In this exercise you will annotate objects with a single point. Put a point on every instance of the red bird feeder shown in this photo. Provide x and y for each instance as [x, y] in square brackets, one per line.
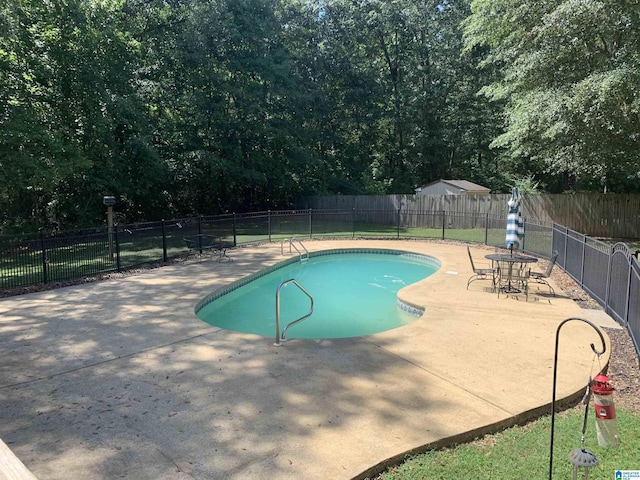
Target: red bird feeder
[606, 425]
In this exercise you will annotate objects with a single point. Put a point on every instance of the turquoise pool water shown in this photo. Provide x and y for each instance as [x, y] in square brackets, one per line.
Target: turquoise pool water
[354, 293]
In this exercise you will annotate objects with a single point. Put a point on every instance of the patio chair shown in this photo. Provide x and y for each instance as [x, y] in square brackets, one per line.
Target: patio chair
[485, 273]
[541, 277]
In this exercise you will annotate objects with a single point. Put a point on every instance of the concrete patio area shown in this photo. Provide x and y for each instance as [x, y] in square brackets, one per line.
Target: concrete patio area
[119, 379]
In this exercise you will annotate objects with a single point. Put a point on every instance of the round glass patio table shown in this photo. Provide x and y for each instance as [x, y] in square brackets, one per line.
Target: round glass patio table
[510, 260]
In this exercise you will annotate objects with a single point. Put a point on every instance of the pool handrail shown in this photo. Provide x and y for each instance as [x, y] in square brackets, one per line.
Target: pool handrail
[303, 256]
[282, 337]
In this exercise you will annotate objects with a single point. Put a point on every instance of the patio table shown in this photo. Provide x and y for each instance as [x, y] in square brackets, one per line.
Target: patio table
[505, 282]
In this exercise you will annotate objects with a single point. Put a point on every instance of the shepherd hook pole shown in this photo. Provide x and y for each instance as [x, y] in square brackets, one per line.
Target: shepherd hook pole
[555, 374]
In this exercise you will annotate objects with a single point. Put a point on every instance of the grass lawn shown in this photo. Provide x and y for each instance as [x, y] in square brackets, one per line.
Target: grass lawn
[523, 452]
[633, 244]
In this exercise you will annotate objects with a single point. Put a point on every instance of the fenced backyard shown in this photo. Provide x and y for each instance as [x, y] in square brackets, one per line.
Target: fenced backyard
[609, 273]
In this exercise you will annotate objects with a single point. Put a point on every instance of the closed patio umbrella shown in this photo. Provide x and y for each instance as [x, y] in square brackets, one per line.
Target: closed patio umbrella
[515, 225]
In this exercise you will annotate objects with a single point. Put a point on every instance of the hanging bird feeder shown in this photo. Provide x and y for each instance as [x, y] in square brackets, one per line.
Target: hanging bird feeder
[606, 424]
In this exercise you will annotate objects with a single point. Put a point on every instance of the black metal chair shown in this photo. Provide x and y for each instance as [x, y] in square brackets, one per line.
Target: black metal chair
[481, 273]
[541, 277]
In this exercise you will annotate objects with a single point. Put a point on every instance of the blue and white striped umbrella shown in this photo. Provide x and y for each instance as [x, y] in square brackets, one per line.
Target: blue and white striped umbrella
[515, 225]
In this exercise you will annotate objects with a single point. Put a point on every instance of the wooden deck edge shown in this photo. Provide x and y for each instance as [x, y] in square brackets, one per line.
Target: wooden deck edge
[11, 468]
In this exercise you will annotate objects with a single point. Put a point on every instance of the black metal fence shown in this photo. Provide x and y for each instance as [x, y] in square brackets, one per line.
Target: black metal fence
[610, 274]
[32, 259]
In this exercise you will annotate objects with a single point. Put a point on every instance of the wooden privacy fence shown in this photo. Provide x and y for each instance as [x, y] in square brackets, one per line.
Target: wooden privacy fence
[594, 214]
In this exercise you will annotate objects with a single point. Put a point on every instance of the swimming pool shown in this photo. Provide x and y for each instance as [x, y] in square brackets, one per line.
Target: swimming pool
[354, 291]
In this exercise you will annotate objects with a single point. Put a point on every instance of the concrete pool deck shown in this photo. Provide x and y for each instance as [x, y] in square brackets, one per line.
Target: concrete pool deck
[119, 379]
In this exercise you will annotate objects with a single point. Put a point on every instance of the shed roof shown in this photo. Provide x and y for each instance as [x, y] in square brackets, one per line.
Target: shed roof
[460, 184]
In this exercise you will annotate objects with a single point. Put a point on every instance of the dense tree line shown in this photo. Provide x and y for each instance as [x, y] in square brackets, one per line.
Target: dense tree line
[180, 107]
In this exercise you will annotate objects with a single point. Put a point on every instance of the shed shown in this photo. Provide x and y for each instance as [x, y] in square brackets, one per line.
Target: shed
[452, 187]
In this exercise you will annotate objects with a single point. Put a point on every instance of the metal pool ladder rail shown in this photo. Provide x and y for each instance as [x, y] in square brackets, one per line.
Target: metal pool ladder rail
[284, 331]
[304, 255]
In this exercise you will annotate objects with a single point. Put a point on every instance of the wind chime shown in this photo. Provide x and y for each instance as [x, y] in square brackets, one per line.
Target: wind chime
[581, 457]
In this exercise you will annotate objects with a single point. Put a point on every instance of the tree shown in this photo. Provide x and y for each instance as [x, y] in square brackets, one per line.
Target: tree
[73, 126]
[225, 96]
[570, 71]
[33, 156]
